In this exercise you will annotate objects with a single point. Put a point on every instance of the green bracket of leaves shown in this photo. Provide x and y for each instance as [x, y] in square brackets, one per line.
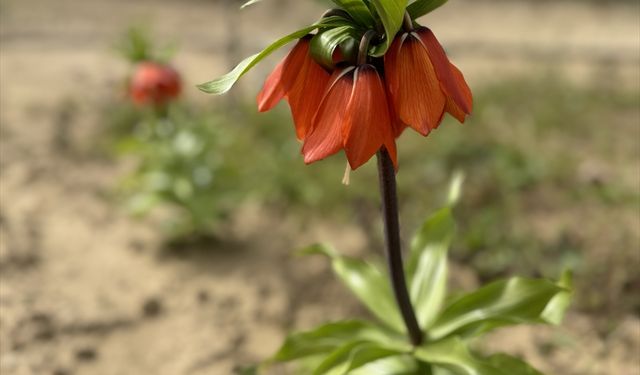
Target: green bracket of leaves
[391, 13]
[358, 10]
[325, 43]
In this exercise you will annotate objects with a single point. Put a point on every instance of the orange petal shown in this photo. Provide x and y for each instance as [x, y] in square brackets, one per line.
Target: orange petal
[396, 124]
[368, 125]
[306, 95]
[283, 77]
[452, 106]
[325, 136]
[443, 69]
[413, 84]
[272, 91]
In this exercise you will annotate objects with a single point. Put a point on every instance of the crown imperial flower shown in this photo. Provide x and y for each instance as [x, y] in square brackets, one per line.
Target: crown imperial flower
[361, 102]
[154, 83]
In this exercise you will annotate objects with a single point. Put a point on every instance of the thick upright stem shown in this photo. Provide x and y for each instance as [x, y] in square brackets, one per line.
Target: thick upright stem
[387, 175]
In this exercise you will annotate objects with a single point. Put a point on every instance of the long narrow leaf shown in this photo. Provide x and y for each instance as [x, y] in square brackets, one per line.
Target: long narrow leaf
[358, 10]
[326, 338]
[427, 265]
[421, 7]
[513, 301]
[352, 356]
[248, 3]
[554, 312]
[367, 282]
[224, 83]
[453, 355]
[391, 13]
[396, 365]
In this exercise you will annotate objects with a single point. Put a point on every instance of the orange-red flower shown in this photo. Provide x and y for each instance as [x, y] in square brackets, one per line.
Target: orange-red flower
[154, 83]
[353, 115]
[300, 80]
[423, 84]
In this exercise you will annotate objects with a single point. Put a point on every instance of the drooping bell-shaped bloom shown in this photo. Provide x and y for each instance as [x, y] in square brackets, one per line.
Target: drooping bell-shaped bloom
[423, 84]
[299, 80]
[154, 83]
[353, 115]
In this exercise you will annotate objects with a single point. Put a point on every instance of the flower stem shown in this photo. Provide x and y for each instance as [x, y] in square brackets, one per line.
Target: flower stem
[387, 176]
[363, 49]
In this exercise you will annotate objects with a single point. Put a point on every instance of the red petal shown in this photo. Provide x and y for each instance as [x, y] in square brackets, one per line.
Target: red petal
[283, 77]
[451, 106]
[368, 125]
[272, 91]
[414, 87]
[442, 68]
[325, 137]
[306, 95]
[396, 124]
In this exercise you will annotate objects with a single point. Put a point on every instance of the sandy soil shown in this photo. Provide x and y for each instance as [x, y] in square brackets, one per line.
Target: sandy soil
[86, 290]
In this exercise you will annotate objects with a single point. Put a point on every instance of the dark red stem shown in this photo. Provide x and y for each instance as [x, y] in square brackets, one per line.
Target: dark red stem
[387, 175]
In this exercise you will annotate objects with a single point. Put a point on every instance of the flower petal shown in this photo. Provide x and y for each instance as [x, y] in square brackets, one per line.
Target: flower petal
[272, 91]
[306, 95]
[325, 136]
[368, 123]
[283, 77]
[413, 84]
[446, 76]
[452, 106]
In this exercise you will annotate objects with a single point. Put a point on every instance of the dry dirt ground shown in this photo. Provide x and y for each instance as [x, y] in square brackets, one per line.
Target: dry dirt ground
[87, 290]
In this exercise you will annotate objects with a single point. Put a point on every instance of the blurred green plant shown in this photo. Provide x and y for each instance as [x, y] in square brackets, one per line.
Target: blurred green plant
[450, 323]
[137, 45]
[180, 165]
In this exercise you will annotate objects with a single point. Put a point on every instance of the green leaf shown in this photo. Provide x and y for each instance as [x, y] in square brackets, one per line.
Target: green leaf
[248, 3]
[367, 282]
[326, 338]
[324, 43]
[391, 13]
[352, 356]
[507, 302]
[336, 361]
[358, 10]
[427, 265]
[421, 7]
[555, 310]
[395, 365]
[453, 355]
[224, 83]
[455, 188]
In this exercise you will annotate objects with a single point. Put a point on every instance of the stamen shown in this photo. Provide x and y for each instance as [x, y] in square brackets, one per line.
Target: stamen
[347, 174]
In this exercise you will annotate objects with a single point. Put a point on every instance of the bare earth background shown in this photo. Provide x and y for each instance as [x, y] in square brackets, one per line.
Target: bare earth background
[86, 290]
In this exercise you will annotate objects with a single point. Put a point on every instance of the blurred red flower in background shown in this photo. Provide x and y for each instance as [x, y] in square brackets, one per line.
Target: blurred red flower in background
[154, 83]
